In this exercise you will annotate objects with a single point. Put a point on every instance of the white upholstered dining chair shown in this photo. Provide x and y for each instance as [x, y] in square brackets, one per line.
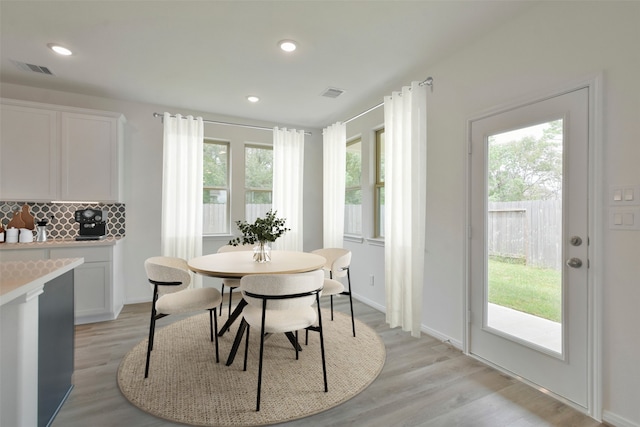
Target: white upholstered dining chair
[282, 303]
[170, 279]
[338, 266]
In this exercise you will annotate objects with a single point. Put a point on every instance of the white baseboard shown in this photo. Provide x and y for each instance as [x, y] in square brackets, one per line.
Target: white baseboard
[617, 420]
[370, 303]
[137, 300]
[444, 338]
[431, 332]
[94, 318]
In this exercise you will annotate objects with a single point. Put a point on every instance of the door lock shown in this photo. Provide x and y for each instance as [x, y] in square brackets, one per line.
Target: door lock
[575, 241]
[574, 263]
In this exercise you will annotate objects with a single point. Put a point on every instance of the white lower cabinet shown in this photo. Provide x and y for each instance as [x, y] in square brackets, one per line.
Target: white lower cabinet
[95, 293]
[92, 292]
[98, 289]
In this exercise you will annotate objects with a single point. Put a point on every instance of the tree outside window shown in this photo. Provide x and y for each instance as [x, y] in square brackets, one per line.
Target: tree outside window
[527, 167]
[258, 181]
[215, 193]
[353, 189]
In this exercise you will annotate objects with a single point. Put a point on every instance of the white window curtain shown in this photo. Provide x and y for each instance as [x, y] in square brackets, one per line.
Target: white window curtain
[288, 169]
[334, 159]
[405, 205]
[182, 188]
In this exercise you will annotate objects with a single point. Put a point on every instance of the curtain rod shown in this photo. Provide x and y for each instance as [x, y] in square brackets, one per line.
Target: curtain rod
[426, 82]
[230, 124]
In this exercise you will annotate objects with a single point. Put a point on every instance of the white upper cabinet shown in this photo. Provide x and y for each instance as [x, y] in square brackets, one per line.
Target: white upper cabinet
[49, 152]
[89, 157]
[29, 153]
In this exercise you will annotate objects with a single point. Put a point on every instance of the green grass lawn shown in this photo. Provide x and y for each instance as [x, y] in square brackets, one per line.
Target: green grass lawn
[531, 290]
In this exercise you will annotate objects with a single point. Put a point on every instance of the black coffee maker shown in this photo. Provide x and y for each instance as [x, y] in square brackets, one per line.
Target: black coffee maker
[93, 224]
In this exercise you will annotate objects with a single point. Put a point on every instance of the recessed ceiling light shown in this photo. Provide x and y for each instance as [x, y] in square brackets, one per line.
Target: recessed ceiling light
[60, 50]
[253, 98]
[287, 45]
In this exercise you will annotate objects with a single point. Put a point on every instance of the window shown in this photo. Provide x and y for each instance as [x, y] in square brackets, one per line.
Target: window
[379, 185]
[353, 190]
[215, 193]
[258, 180]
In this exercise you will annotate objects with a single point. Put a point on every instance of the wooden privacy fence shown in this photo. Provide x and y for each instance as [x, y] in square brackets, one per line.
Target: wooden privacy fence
[353, 219]
[530, 231]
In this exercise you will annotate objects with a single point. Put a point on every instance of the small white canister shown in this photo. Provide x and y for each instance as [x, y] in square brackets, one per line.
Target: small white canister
[26, 235]
[12, 235]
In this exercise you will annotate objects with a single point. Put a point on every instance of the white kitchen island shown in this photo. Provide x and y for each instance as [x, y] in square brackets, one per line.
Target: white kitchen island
[99, 283]
[36, 339]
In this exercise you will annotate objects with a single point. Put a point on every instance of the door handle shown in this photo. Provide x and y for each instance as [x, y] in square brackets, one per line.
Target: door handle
[574, 263]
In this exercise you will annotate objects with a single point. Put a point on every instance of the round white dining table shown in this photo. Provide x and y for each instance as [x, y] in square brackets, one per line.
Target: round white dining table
[237, 264]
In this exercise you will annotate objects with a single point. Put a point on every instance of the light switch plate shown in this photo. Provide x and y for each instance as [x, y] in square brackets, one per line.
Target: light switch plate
[624, 195]
[629, 194]
[624, 218]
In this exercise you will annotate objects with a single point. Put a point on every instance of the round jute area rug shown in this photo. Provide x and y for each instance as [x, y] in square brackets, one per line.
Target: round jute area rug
[185, 384]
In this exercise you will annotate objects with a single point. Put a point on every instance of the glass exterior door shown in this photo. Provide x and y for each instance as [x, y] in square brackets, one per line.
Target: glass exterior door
[528, 243]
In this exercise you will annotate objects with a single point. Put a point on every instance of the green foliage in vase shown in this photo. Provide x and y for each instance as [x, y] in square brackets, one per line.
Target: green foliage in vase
[266, 229]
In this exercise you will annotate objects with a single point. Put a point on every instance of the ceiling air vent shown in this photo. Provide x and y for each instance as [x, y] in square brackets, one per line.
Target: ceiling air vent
[40, 69]
[332, 92]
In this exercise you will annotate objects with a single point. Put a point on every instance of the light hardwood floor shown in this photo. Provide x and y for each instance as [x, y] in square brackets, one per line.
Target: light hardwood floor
[424, 383]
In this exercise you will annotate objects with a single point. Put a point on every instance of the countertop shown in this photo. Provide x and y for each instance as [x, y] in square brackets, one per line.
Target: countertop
[60, 243]
[18, 278]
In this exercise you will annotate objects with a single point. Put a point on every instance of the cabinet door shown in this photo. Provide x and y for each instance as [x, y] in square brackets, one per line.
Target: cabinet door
[94, 294]
[92, 290]
[29, 155]
[89, 153]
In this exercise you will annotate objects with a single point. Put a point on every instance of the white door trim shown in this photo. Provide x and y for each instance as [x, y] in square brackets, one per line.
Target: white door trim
[595, 224]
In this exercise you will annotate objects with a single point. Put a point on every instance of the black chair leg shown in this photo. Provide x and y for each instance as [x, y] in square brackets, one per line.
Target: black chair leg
[152, 328]
[230, 298]
[150, 345]
[324, 364]
[211, 323]
[246, 347]
[353, 322]
[331, 297]
[213, 326]
[320, 331]
[264, 310]
[222, 295]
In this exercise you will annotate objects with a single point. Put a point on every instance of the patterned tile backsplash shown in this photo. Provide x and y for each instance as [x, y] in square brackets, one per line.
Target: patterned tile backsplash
[62, 224]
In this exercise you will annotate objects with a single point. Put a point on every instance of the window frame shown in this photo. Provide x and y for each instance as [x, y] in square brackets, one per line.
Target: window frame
[227, 188]
[378, 231]
[355, 140]
[247, 189]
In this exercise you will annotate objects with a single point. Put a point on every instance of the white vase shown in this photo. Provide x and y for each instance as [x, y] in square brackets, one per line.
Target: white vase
[262, 252]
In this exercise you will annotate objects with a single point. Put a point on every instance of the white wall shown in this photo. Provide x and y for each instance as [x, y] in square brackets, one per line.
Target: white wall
[143, 175]
[553, 45]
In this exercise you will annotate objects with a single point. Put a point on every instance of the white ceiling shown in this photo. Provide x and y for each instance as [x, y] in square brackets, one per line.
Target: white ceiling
[209, 55]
